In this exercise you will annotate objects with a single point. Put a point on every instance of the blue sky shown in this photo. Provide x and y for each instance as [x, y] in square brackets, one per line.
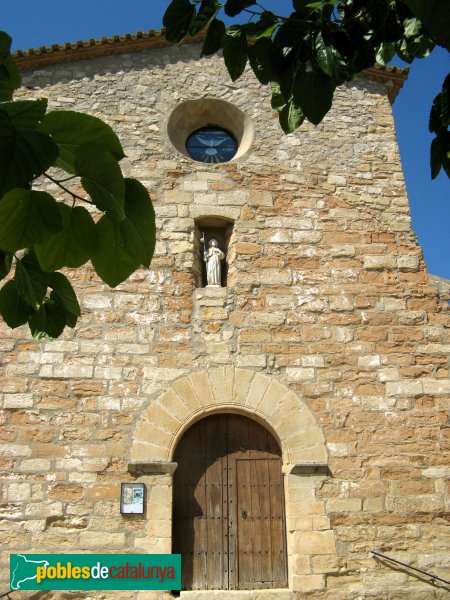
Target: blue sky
[34, 23]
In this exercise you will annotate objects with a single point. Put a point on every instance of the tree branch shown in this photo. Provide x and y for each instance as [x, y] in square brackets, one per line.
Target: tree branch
[73, 194]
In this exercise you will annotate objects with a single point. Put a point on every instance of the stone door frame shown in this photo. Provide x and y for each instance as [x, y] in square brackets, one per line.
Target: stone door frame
[280, 410]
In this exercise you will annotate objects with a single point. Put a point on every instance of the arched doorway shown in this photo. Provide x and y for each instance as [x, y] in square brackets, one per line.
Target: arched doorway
[228, 506]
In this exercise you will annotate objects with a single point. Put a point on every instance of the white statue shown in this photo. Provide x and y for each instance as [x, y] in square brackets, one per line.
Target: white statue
[212, 257]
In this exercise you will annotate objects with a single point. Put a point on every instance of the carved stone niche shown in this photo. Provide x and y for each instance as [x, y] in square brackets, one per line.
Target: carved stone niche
[217, 228]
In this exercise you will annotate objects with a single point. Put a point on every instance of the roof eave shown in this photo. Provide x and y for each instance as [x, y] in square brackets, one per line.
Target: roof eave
[35, 58]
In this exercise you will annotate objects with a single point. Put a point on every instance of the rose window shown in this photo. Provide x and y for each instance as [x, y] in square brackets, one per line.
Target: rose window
[211, 145]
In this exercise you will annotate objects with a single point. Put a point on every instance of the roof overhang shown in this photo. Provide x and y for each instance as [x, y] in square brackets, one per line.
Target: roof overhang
[34, 58]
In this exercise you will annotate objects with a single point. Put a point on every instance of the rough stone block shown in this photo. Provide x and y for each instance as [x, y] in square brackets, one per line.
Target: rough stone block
[99, 540]
[344, 505]
[308, 583]
[18, 400]
[299, 373]
[251, 360]
[379, 262]
[316, 542]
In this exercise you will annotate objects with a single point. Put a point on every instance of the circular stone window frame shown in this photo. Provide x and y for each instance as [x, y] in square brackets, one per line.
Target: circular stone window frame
[191, 115]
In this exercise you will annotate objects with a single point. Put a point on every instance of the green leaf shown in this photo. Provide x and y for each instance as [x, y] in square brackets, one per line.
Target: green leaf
[141, 214]
[440, 110]
[38, 278]
[446, 164]
[435, 17]
[27, 217]
[321, 4]
[291, 117]
[177, 20]
[412, 27]
[439, 155]
[260, 56]
[435, 158]
[329, 59]
[71, 320]
[37, 323]
[70, 130]
[63, 293]
[25, 113]
[208, 10]
[313, 93]
[9, 73]
[5, 263]
[13, 309]
[213, 40]
[385, 53]
[48, 322]
[24, 286]
[278, 100]
[234, 45]
[421, 46]
[73, 245]
[5, 44]
[112, 260]
[291, 35]
[102, 179]
[132, 241]
[263, 28]
[286, 78]
[24, 154]
[234, 7]
[445, 102]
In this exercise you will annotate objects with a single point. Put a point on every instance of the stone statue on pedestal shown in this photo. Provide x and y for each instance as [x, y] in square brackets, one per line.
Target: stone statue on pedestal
[212, 257]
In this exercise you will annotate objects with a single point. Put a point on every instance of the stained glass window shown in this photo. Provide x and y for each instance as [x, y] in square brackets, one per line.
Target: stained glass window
[211, 145]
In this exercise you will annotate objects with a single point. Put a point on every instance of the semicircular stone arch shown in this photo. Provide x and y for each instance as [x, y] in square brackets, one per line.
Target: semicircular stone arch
[228, 389]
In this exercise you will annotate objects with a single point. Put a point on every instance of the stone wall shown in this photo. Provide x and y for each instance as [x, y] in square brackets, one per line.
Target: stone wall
[328, 298]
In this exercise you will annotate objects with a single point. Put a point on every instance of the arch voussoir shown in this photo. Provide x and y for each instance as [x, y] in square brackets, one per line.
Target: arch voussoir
[242, 381]
[202, 386]
[257, 389]
[221, 381]
[172, 402]
[229, 389]
[274, 394]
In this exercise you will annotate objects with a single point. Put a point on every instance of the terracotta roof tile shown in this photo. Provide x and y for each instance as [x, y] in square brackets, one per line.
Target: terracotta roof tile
[393, 77]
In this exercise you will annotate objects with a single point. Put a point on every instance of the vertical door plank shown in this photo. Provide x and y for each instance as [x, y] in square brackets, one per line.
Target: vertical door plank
[244, 529]
[277, 522]
[214, 479]
[235, 438]
[198, 505]
[262, 500]
[184, 512]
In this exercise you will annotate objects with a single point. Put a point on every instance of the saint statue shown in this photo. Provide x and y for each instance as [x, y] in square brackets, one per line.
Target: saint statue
[212, 257]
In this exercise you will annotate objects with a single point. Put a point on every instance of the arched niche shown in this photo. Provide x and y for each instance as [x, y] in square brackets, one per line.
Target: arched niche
[207, 228]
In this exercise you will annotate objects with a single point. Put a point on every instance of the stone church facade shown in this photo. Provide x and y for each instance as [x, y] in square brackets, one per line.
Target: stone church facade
[327, 334]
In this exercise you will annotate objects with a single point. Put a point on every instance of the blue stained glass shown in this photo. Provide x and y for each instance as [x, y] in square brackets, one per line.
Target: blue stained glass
[211, 145]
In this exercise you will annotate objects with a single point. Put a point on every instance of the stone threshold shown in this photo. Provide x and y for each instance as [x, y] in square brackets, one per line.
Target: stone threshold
[272, 594]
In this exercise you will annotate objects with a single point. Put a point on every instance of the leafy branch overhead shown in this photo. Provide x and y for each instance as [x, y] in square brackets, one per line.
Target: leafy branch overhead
[319, 46]
[38, 233]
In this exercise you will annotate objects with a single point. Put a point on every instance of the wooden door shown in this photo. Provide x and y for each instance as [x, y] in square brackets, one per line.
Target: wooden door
[200, 525]
[228, 509]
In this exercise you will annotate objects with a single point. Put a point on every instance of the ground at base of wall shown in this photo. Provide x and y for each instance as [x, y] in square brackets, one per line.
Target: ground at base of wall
[424, 593]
